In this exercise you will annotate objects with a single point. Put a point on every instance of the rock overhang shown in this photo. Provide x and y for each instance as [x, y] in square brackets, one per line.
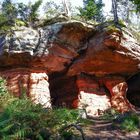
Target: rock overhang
[72, 48]
[59, 41]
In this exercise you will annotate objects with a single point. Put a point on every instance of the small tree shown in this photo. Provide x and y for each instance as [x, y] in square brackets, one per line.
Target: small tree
[28, 13]
[92, 10]
[23, 11]
[34, 9]
[100, 16]
[52, 9]
[9, 11]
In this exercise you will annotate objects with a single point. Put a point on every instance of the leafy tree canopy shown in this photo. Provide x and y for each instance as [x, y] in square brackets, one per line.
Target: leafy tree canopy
[137, 3]
[34, 9]
[12, 12]
[9, 9]
[52, 9]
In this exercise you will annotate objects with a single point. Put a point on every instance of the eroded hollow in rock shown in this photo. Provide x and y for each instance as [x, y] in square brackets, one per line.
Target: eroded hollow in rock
[133, 92]
[82, 91]
[63, 91]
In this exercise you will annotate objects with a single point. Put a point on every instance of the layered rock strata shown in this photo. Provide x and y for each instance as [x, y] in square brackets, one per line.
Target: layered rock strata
[86, 66]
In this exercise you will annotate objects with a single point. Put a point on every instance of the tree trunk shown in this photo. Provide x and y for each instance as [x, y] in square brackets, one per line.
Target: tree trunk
[114, 9]
[66, 8]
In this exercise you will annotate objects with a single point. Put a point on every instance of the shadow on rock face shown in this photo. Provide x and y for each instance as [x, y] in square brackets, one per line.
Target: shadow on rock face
[133, 92]
[63, 91]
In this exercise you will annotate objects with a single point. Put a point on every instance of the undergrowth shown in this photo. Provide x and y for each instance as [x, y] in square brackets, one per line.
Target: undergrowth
[128, 121]
[131, 123]
[20, 119]
[110, 114]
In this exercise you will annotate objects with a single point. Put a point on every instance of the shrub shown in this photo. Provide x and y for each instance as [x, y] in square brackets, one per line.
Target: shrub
[21, 119]
[110, 114]
[20, 22]
[131, 122]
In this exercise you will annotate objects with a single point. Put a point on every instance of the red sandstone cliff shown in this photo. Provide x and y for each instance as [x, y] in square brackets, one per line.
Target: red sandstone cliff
[71, 64]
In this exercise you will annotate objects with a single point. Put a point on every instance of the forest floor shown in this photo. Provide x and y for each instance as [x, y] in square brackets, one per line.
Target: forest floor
[102, 129]
[105, 130]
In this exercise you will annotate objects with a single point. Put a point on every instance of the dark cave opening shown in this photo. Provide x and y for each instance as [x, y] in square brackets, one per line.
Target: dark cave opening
[63, 91]
[133, 92]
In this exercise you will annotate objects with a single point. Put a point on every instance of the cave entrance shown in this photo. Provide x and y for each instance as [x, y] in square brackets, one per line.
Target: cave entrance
[133, 92]
[63, 91]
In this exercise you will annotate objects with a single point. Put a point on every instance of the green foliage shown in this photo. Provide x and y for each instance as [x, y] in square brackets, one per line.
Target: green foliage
[112, 27]
[122, 23]
[34, 8]
[3, 89]
[110, 114]
[9, 10]
[20, 22]
[21, 119]
[137, 3]
[99, 16]
[131, 123]
[52, 9]
[3, 93]
[92, 10]
[28, 13]
[18, 14]
[23, 11]
[128, 121]
[89, 11]
[8, 15]
[3, 19]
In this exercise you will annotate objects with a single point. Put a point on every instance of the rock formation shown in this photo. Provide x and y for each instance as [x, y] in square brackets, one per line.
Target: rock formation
[71, 64]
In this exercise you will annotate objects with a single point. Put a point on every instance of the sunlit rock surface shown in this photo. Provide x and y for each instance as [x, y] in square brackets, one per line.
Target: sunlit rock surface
[118, 89]
[52, 47]
[92, 96]
[34, 84]
[48, 64]
[109, 52]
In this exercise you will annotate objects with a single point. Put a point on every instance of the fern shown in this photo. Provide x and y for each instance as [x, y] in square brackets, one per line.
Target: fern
[21, 119]
[131, 123]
